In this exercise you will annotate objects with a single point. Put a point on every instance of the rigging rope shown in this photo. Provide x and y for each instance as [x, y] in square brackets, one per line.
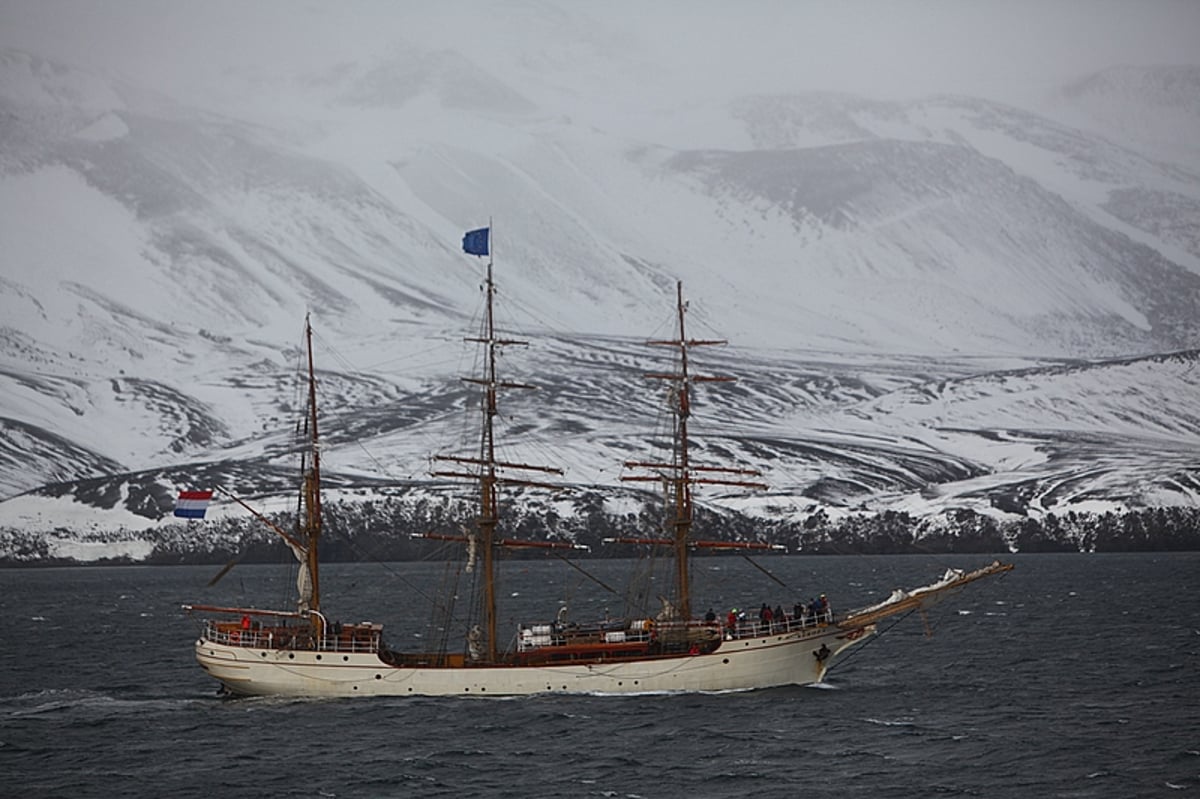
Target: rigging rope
[586, 574]
[765, 571]
[872, 638]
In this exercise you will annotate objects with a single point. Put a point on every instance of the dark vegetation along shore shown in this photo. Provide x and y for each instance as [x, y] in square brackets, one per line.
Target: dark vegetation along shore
[384, 529]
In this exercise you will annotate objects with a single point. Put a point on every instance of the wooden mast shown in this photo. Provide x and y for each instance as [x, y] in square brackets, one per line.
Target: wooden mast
[488, 474]
[488, 507]
[312, 480]
[680, 474]
[682, 488]
[305, 543]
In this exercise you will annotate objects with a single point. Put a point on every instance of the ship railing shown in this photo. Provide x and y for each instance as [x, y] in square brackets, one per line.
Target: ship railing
[537, 636]
[350, 640]
[231, 635]
[755, 628]
[354, 642]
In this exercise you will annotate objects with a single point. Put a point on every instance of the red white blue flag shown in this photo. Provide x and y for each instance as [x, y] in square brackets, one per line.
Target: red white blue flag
[192, 504]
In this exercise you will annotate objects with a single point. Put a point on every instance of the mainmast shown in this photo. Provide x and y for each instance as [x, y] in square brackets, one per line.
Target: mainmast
[679, 475]
[489, 474]
[489, 512]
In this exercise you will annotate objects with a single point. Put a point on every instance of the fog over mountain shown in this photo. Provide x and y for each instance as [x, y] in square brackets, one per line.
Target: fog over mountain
[955, 249]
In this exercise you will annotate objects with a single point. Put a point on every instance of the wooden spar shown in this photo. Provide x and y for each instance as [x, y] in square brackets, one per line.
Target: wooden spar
[680, 475]
[666, 542]
[507, 464]
[724, 469]
[512, 543]
[499, 480]
[654, 542]
[499, 464]
[312, 481]
[645, 478]
[920, 598]
[291, 541]
[696, 379]
[502, 383]
[666, 467]
[283, 614]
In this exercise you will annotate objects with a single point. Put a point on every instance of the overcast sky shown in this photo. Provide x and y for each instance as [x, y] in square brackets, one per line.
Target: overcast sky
[1012, 51]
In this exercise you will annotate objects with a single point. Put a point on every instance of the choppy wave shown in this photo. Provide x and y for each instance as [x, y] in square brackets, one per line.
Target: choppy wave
[890, 723]
[67, 700]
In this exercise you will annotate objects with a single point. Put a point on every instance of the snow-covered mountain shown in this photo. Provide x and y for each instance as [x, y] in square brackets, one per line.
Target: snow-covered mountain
[935, 303]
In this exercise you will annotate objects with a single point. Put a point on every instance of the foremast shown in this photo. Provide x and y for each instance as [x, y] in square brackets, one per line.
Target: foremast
[680, 474]
[310, 518]
[304, 539]
[487, 472]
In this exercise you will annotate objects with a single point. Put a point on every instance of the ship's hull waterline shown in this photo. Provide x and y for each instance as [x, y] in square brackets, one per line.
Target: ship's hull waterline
[793, 658]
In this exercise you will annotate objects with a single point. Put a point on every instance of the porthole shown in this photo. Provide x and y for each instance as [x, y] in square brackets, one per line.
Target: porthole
[318, 657]
[291, 656]
[379, 676]
[726, 660]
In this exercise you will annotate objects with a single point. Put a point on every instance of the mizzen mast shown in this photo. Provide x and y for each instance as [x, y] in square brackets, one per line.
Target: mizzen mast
[680, 474]
[312, 482]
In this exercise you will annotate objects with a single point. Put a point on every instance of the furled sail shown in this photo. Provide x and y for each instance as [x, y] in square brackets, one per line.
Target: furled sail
[304, 582]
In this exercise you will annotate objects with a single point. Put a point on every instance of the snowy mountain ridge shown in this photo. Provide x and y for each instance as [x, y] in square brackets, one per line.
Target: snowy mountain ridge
[933, 303]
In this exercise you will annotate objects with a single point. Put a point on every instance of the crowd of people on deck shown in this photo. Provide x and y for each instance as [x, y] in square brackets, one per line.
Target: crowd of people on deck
[772, 620]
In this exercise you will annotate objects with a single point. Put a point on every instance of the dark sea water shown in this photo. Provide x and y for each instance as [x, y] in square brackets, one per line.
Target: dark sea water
[1072, 676]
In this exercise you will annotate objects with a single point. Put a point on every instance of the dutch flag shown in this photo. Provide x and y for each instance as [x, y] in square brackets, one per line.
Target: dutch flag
[192, 504]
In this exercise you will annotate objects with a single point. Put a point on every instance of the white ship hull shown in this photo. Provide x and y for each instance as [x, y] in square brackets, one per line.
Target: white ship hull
[792, 658]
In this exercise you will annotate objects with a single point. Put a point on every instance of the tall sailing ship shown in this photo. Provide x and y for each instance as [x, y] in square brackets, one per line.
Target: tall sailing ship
[298, 652]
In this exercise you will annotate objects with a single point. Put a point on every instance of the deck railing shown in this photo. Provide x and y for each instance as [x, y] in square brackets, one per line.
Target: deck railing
[754, 628]
[290, 638]
[538, 636]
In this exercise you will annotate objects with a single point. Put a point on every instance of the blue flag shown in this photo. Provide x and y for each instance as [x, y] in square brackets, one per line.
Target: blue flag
[475, 242]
